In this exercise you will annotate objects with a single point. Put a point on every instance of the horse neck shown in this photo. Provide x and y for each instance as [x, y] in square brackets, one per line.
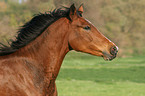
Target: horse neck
[50, 48]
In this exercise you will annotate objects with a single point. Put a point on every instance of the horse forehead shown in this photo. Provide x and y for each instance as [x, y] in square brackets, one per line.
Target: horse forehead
[88, 21]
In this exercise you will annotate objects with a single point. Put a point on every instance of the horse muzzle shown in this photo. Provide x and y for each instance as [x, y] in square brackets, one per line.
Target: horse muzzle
[113, 53]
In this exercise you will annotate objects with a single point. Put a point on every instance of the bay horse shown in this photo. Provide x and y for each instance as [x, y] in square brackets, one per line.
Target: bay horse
[30, 65]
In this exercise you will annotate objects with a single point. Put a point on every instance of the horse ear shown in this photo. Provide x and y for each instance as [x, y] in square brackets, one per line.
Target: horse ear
[73, 12]
[81, 9]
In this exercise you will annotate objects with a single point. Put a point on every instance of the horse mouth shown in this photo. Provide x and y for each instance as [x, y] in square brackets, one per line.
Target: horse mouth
[108, 57]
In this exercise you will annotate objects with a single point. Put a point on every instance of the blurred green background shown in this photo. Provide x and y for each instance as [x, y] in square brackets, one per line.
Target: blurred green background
[122, 21]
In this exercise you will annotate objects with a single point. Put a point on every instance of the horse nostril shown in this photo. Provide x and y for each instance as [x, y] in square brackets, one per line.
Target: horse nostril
[114, 50]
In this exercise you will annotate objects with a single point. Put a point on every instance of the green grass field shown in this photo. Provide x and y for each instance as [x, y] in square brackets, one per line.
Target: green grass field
[85, 75]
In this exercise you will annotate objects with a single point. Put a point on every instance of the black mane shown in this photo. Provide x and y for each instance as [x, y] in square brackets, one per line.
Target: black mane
[33, 29]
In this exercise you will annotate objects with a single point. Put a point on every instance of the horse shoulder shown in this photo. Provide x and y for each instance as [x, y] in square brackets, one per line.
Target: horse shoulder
[16, 77]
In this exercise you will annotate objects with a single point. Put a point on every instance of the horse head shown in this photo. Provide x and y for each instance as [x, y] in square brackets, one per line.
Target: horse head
[85, 37]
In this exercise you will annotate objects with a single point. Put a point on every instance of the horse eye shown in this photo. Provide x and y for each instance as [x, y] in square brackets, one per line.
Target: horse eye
[87, 28]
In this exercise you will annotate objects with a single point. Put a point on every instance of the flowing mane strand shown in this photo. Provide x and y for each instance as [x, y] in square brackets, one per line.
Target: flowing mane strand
[32, 29]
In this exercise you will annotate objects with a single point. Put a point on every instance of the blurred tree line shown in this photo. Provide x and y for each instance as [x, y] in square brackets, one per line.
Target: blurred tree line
[122, 21]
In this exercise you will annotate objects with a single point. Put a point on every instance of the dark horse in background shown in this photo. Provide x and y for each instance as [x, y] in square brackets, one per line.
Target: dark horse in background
[29, 67]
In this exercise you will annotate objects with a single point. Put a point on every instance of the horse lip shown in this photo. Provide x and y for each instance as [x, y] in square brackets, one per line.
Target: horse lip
[108, 57]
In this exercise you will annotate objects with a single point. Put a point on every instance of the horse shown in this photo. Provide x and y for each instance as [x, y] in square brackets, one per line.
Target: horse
[30, 65]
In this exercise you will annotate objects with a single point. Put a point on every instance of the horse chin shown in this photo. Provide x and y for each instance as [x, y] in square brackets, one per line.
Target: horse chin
[107, 58]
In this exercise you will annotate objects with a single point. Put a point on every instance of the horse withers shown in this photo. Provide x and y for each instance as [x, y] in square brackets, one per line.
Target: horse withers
[30, 65]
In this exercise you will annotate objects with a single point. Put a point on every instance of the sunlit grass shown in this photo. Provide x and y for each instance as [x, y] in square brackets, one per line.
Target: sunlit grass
[89, 88]
[85, 75]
